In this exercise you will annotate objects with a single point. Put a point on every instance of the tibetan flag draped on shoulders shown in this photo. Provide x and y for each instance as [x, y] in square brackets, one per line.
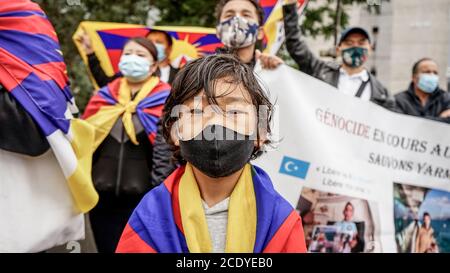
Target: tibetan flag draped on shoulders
[32, 69]
[109, 38]
[114, 101]
[170, 218]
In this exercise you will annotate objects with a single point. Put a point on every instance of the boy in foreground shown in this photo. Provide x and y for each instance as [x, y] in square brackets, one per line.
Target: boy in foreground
[217, 118]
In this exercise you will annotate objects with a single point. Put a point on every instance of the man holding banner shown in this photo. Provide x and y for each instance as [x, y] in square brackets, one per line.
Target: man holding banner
[350, 77]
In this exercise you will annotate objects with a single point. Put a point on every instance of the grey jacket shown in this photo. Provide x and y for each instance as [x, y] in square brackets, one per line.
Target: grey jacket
[325, 71]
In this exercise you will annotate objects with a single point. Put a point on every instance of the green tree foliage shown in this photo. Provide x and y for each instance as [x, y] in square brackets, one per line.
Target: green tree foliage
[186, 12]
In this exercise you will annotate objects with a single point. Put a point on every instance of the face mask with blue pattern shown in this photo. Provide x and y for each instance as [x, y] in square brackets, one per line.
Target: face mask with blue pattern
[238, 32]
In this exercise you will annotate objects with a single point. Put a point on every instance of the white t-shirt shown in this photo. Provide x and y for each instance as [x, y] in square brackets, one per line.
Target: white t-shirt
[165, 73]
[217, 219]
[349, 85]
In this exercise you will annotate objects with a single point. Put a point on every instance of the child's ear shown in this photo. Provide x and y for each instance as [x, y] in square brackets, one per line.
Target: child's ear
[259, 143]
[175, 136]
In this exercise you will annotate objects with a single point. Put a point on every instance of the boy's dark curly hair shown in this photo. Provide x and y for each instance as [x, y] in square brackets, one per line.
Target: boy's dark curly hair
[202, 74]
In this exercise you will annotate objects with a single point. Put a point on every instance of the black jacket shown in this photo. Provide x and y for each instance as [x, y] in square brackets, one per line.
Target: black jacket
[408, 103]
[325, 71]
[162, 164]
[19, 133]
[119, 167]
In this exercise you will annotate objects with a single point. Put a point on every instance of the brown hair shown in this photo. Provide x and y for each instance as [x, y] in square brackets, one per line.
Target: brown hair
[147, 44]
[166, 35]
[259, 10]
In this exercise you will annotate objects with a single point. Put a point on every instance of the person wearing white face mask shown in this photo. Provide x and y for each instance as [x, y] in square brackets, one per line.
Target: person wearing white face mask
[125, 114]
[424, 98]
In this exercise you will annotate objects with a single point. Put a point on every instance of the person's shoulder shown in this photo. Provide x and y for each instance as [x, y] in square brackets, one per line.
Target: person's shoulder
[444, 94]
[401, 94]
[376, 83]
[266, 185]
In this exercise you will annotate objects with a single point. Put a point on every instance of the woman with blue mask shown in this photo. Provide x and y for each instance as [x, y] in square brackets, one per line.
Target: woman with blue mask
[125, 114]
[424, 98]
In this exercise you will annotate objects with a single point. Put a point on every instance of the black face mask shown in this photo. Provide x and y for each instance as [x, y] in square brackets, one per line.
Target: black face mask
[214, 155]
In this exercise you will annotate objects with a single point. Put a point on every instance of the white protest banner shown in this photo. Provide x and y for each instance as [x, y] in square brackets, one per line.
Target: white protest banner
[363, 178]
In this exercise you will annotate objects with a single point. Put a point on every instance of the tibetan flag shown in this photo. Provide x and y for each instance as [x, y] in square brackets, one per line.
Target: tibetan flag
[273, 25]
[189, 42]
[108, 40]
[113, 101]
[32, 69]
[170, 218]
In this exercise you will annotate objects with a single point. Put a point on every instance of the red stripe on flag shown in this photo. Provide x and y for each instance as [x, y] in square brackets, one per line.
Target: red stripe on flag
[176, 207]
[33, 24]
[289, 236]
[52, 71]
[12, 70]
[128, 32]
[267, 3]
[209, 48]
[130, 242]
[114, 57]
[155, 111]
[19, 5]
[192, 38]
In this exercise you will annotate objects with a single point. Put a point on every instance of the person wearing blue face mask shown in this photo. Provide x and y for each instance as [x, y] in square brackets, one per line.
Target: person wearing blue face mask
[350, 77]
[124, 114]
[162, 154]
[424, 98]
[161, 39]
[163, 42]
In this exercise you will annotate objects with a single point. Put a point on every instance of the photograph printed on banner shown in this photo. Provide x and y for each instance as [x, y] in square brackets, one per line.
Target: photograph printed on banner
[335, 223]
[422, 219]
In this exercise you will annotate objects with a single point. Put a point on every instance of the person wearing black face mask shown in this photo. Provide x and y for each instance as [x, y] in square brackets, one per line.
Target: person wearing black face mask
[217, 118]
[350, 77]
